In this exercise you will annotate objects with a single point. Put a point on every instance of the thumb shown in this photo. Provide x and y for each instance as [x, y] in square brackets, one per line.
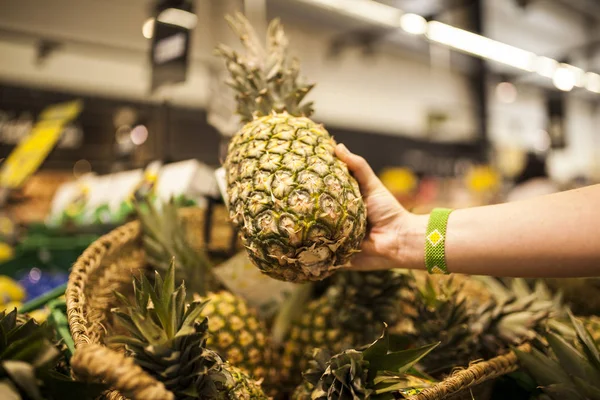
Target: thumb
[362, 171]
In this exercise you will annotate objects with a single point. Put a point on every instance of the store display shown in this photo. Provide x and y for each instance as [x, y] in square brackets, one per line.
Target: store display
[299, 210]
[107, 199]
[172, 248]
[359, 303]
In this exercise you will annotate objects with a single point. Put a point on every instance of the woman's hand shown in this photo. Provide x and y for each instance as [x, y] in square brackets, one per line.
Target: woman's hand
[395, 236]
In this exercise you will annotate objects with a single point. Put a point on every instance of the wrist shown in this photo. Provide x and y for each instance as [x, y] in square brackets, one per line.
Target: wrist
[410, 252]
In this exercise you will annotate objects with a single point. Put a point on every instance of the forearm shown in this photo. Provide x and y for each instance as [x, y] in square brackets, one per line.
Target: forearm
[553, 236]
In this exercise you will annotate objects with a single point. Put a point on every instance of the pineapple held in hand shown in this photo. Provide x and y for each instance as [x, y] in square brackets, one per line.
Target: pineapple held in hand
[299, 211]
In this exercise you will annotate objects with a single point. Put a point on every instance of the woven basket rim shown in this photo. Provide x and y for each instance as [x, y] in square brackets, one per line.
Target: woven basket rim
[474, 375]
[104, 246]
[95, 363]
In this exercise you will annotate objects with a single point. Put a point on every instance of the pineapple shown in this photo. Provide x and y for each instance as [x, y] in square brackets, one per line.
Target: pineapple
[566, 370]
[347, 315]
[470, 331]
[299, 211]
[442, 314]
[168, 339]
[374, 372]
[236, 332]
[514, 316]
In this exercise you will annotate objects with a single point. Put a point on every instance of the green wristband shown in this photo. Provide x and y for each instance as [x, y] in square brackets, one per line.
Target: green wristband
[435, 241]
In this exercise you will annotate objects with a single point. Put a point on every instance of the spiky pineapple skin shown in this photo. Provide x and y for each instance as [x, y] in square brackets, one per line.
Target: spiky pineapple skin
[350, 313]
[315, 329]
[244, 388]
[298, 209]
[237, 334]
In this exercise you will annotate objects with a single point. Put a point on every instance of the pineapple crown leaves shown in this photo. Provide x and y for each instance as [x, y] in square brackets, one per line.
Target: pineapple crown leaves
[25, 341]
[266, 80]
[168, 340]
[158, 313]
[443, 294]
[28, 360]
[441, 311]
[568, 370]
[374, 373]
[164, 237]
[514, 315]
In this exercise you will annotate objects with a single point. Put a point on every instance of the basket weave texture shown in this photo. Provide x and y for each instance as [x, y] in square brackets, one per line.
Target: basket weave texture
[107, 265]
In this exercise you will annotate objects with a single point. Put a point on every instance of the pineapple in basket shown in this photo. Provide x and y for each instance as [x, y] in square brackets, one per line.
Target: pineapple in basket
[298, 209]
[373, 372]
[349, 314]
[168, 339]
[236, 333]
[470, 331]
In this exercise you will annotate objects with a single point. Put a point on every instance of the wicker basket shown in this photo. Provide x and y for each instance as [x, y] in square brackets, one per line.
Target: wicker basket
[107, 265]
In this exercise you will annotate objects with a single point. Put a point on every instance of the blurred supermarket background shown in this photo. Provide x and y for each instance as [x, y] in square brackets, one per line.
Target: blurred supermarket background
[453, 102]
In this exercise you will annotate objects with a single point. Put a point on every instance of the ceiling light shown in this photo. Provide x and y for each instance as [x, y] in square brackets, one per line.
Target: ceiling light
[481, 46]
[506, 92]
[177, 17]
[413, 24]
[148, 28]
[578, 74]
[592, 82]
[363, 9]
[546, 66]
[563, 78]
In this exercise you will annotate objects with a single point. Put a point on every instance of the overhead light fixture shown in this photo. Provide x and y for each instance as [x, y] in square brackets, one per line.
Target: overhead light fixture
[546, 66]
[368, 10]
[481, 46]
[592, 82]
[563, 75]
[564, 79]
[578, 74]
[413, 24]
[177, 17]
[148, 28]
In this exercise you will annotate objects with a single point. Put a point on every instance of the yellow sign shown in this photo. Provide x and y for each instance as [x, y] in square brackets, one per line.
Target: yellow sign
[27, 157]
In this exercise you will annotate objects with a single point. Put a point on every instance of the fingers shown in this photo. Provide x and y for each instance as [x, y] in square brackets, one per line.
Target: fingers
[359, 167]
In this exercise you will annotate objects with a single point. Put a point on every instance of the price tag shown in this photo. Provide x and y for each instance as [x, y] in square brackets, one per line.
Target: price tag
[263, 293]
[27, 157]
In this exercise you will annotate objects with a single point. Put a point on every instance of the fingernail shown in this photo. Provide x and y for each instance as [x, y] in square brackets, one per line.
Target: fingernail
[343, 149]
